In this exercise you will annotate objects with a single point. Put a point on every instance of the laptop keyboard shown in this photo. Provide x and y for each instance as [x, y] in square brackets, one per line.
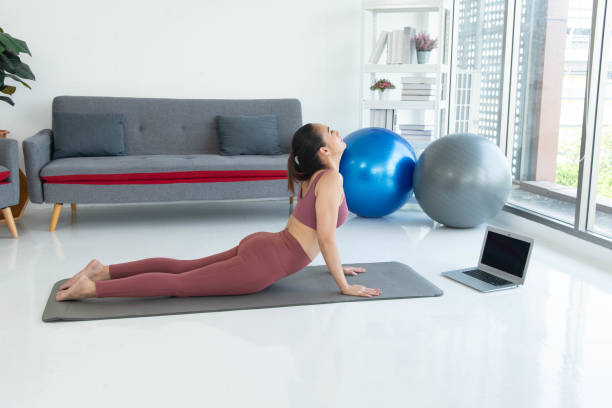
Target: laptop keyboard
[487, 277]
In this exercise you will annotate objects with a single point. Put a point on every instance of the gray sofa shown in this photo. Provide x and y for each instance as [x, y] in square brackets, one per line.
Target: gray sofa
[171, 154]
[9, 180]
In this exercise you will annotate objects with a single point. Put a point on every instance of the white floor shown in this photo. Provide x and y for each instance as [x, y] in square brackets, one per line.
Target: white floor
[547, 344]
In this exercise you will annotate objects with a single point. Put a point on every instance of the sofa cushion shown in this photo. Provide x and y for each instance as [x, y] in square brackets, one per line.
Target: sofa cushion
[160, 169]
[4, 175]
[182, 126]
[87, 134]
[242, 134]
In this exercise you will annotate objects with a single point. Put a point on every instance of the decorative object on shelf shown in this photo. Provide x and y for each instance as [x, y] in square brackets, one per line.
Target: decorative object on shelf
[380, 86]
[462, 180]
[424, 44]
[377, 167]
[11, 66]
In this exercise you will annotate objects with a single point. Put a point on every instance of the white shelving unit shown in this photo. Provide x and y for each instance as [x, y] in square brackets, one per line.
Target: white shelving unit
[372, 11]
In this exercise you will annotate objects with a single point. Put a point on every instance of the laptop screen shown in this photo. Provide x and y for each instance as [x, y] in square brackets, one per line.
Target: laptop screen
[505, 253]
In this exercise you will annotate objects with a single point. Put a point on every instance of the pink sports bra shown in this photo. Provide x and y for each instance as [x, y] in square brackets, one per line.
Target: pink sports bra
[305, 208]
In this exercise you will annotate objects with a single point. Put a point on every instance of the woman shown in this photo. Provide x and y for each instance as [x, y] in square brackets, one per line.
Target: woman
[261, 258]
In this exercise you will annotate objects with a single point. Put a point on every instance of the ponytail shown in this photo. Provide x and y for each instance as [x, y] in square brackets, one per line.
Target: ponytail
[303, 159]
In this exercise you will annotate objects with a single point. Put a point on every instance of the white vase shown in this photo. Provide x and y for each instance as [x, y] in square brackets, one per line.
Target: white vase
[383, 96]
[423, 57]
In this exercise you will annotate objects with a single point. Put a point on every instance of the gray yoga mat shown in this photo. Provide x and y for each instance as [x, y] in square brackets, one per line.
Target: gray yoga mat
[312, 285]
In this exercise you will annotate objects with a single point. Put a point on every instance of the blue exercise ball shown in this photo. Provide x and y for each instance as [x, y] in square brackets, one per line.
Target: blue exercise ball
[462, 180]
[377, 167]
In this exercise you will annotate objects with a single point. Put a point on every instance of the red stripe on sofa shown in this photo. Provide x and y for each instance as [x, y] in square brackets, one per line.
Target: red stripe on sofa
[168, 181]
[151, 178]
[5, 174]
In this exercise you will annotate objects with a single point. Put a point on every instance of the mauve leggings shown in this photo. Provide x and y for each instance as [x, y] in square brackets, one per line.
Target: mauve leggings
[259, 260]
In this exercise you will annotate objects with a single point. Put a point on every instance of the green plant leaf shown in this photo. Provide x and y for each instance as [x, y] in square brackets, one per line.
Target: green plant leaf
[16, 78]
[9, 90]
[2, 48]
[14, 44]
[7, 100]
[10, 62]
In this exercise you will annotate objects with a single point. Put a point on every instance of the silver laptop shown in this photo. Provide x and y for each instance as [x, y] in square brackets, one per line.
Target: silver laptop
[503, 262]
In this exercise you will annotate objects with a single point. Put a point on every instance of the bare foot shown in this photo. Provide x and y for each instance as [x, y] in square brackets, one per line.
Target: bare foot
[94, 271]
[83, 288]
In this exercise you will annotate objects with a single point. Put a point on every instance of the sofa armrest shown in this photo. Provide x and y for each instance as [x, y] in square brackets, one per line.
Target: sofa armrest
[9, 158]
[36, 154]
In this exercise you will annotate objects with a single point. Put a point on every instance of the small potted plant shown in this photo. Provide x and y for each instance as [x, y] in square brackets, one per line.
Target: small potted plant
[424, 44]
[380, 87]
[11, 66]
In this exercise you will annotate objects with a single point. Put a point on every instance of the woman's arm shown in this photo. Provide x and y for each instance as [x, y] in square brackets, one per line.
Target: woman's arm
[327, 202]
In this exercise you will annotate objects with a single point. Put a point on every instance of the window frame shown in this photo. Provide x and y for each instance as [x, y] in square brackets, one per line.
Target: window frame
[591, 128]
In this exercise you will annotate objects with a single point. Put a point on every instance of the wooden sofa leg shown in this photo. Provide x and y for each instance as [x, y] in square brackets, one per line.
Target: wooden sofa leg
[57, 208]
[73, 206]
[8, 216]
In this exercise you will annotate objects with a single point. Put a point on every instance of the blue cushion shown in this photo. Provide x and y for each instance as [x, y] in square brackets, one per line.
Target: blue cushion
[87, 134]
[241, 134]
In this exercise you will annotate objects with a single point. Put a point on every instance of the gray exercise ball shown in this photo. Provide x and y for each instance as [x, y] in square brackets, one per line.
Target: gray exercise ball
[462, 180]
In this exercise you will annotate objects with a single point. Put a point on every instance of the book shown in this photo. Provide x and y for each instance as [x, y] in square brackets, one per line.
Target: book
[384, 118]
[418, 92]
[390, 42]
[416, 137]
[417, 144]
[416, 132]
[397, 47]
[412, 133]
[375, 117]
[409, 55]
[401, 48]
[414, 127]
[378, 48]
[418, 80]
[417, 98]
[417, 86]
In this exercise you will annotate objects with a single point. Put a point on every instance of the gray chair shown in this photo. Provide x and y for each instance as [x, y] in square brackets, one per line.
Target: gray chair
[9, 185]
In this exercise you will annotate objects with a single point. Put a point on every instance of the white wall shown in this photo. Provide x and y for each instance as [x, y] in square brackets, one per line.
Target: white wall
[187, 49]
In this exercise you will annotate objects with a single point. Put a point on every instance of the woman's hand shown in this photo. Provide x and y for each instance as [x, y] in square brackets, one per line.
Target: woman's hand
[360, 290]
[352, 270]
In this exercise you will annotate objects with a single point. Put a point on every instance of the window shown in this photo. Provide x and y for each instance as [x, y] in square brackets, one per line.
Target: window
[541, 86]
[602, 145]
[478, 72]
[549, 87]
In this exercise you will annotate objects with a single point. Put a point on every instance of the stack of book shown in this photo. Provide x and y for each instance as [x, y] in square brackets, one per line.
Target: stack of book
[418, 88]
[384, 118]
[419, 136]
[401, 48]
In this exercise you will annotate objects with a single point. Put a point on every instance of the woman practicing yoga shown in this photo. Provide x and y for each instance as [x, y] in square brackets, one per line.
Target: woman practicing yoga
[261, 258]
